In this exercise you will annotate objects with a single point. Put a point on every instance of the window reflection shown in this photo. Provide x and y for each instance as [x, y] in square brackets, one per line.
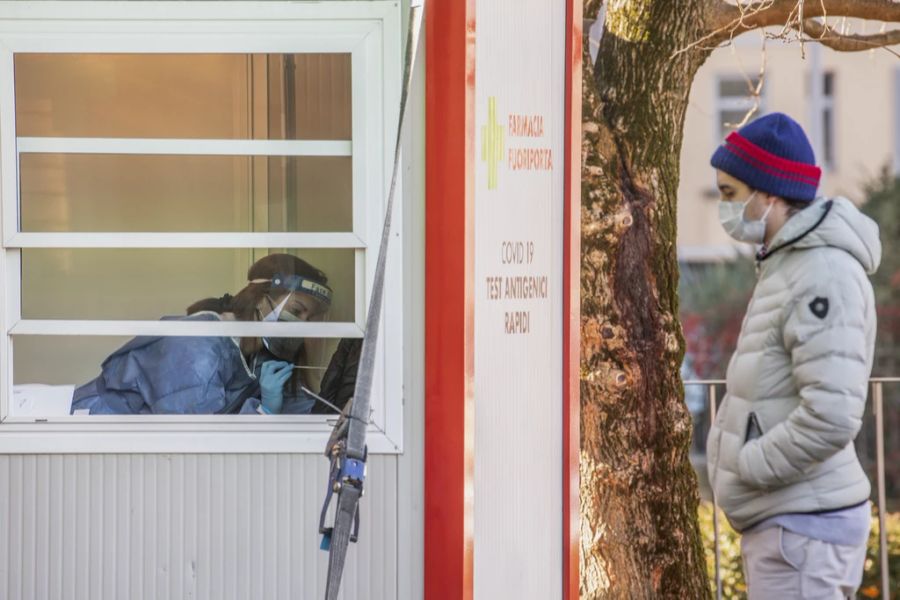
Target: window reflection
[185, 96]
[127, 192]
[207, 96]
[146, 284]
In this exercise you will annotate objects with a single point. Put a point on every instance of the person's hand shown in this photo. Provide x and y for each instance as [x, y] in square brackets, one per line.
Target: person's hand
[273, 375]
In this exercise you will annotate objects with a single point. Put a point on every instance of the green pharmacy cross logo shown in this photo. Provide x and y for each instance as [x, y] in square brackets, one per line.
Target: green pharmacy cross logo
[492, 143]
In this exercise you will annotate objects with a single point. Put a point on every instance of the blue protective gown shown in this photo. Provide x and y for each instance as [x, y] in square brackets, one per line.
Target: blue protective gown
[180, 375]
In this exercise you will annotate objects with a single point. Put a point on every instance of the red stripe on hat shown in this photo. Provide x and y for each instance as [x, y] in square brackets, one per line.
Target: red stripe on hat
[773, 160]
[770, 169]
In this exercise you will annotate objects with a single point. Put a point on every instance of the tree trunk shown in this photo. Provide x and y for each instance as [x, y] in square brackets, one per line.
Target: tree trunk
[640, 536]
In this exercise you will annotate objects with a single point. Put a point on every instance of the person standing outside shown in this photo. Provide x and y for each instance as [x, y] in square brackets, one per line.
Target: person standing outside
[781, 458]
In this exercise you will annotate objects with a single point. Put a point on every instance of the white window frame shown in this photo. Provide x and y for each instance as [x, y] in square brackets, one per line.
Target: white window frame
[370, 31]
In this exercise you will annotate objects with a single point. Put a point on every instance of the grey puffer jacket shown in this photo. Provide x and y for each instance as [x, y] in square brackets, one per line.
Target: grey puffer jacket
[782, 441]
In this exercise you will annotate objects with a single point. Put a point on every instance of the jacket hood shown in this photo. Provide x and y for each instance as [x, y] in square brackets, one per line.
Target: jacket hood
[834, 222]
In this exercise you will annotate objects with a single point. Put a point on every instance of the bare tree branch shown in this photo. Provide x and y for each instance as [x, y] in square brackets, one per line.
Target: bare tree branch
[828, 36]
[730, 20]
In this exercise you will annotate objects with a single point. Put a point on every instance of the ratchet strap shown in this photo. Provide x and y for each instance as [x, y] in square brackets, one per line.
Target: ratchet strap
[347, 446]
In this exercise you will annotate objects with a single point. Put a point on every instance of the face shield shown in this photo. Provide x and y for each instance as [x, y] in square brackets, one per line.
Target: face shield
[315, 297]
[306, 300]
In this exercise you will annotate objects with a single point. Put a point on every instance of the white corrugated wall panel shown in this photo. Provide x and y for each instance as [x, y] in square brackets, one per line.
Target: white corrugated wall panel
[204, 527]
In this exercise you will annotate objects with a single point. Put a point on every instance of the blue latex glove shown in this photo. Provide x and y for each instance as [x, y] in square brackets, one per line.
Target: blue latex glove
[272, 377]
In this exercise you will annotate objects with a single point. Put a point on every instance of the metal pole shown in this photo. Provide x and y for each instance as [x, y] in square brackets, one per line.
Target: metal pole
[878, 396]
[716, 547]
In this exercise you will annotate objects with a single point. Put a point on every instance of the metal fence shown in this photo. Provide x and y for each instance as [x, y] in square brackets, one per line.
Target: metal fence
[877, 396]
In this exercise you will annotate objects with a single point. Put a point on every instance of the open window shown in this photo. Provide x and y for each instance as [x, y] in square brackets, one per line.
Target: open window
[144, 169]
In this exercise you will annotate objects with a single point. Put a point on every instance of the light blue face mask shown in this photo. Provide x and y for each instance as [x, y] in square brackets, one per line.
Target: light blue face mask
[284, 348]
[731, 215]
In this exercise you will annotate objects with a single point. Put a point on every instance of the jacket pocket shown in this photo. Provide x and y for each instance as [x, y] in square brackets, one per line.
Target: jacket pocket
[793, 547]
[753, 429]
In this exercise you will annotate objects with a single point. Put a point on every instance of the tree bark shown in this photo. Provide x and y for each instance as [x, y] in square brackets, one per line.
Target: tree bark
[640, 536]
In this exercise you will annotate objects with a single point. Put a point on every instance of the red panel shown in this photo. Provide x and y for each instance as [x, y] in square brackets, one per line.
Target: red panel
[572, 303]
[449, 312]
[449, 307]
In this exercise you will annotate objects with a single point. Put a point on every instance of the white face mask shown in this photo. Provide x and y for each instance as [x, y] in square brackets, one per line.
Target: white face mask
[731, 215]
[284, 348]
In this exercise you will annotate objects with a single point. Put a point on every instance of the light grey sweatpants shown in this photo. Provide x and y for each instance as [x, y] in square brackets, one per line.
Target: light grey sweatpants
[781, 564]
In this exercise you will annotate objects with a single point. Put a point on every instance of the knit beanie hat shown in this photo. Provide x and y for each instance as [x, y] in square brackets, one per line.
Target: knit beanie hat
[773, 155]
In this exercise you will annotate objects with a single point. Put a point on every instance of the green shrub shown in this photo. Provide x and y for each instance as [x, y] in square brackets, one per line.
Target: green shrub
[732, 572]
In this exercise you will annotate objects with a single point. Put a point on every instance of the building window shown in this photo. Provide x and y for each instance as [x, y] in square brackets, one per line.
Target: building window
[152, 169]
[827, 100]
[897, 122]
[739, 100]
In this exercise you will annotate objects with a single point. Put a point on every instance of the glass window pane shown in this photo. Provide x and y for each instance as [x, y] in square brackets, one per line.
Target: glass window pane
[100, 192]
[48, 368]
[210, 96]
[310, 193]
[147, 284]
[312, 94]
[737, 87]
[828, 84]
[730, 119]
[59, 359]
[828, 136]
